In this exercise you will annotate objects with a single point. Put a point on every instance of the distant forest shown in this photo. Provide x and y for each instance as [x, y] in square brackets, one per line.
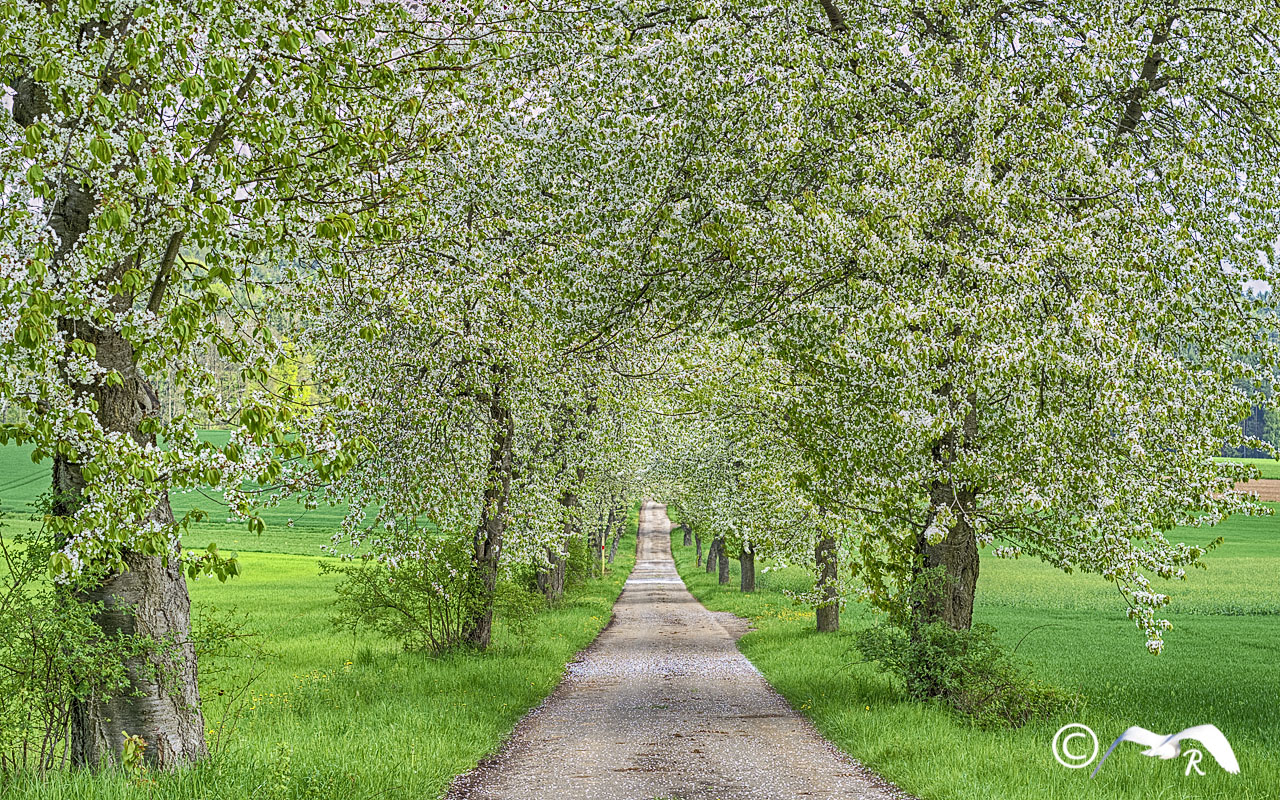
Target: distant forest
[1262, 423]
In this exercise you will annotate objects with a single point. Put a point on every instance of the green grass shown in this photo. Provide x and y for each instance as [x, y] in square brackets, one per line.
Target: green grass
[291, 528]
[337, 716]
[1220, 666]
[1268, 467]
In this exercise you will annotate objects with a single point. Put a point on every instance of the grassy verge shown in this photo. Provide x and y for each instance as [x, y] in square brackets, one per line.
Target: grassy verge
[336, 717]
[1219, 667]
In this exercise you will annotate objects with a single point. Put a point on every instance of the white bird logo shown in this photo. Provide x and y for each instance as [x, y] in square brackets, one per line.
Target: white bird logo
[1161, 746]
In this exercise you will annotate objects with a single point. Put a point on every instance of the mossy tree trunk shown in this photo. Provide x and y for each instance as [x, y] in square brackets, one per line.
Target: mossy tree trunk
[747, 565]
[828, 610]
[493, 517]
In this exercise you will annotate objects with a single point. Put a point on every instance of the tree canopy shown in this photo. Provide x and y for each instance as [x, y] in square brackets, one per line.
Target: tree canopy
[887, 281]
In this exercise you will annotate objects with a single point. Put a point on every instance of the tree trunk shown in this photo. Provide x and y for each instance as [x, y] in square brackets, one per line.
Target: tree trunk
[713, 553]
[828, 610]
[723, 557]
[149, 600]
[598, 541]
[551, 578]
[747, 563]
[488, 536]
[688, 534]
[621, 526]
[608, 526]
[697, 538]
[957, 557]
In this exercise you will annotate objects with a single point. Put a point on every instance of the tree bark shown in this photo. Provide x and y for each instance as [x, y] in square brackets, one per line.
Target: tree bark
[713, 554]
[619, 529]
[698, 540]
[828, 611]
[957, 554]
[149, 599]
[599, 538]
[722, 557]
[487, 540]
[747, 563]
[608, 526]
[551, 578]
[688, 534]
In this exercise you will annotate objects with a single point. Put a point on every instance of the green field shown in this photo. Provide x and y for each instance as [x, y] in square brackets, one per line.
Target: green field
[22, 483]
[1221, 665]
[336, 716]
[1268, 468]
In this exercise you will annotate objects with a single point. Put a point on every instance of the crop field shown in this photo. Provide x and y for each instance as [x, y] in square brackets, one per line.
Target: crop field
[323, 714]
[291, 528]
[1219, 666]
[1268, 468]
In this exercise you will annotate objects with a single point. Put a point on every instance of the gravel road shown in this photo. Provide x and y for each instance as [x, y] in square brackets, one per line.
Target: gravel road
[663, 705]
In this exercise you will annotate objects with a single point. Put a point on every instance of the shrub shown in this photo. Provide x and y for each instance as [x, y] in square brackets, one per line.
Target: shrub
[421, 602]
[516, 605]
[424, 603]
[52, 655]
[967, 670]
[579, 564]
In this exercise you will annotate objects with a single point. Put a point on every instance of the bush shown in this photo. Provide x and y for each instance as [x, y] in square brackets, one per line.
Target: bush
[579, 561]
[516, 605]
[967, 670]
[52, 655]
[423, 602]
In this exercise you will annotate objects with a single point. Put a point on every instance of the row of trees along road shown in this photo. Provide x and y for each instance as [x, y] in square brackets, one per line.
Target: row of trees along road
[856, 284]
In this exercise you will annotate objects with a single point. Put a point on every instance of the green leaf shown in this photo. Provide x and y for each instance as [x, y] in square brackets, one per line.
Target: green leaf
[101, 149]
[59, 563]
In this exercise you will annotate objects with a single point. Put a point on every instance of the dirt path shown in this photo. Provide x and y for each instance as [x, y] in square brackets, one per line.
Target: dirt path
[664, 706]
[1268, 489]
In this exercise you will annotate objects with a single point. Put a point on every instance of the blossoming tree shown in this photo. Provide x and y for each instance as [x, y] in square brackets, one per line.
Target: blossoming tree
[160, 160]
